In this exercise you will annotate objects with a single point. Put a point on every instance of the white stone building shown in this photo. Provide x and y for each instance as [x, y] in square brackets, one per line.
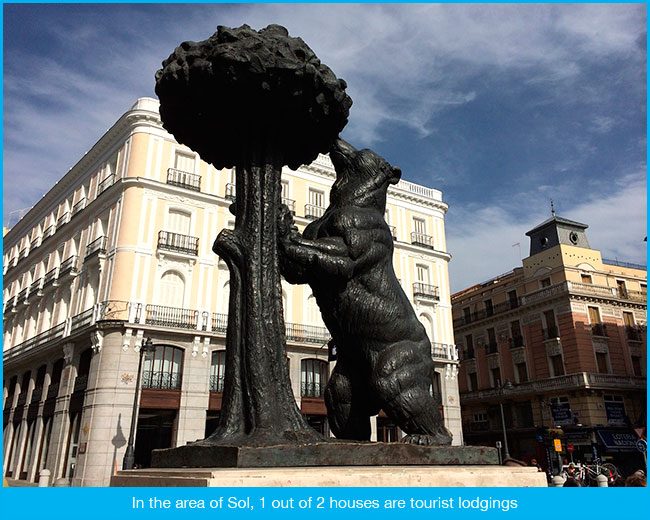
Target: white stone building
[120, 250]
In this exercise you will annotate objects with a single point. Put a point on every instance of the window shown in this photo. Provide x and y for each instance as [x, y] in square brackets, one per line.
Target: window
[172, 289]
[521, 372]
[585, 278]
[597, 327]
[469, 346]
[313, 377]
[184, 162]
[316, 198]
[513, 300]
[636, 366]
[422, 273]
[162, 368]
[621, 289]
[492, 346]
[480, 417]
[314, 316]
[419, 226]
[551, 328]
[489, 307]
[546, 282]
[557, 365]
[472, 382]
[517, 339]
[467, 314]
[217, 370]
[602, 361]
[495, 377]
[644, 288]
[179, 221]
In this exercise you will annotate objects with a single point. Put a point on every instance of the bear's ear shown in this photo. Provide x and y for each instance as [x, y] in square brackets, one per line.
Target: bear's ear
[395, 175]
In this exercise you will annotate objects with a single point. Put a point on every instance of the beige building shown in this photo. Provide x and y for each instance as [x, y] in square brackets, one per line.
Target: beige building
[120, 250]
[560, 344]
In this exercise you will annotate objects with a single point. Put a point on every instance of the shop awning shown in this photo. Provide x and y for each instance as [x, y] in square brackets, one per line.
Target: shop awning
[618, 440]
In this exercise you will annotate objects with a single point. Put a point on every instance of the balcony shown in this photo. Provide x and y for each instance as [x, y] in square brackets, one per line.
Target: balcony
[62, 220]
[37, 393]
[50, 277]
[23, 252]
[516, 342]
[22, 295]
[425, 291]
[171, 317]
[289, 203]
[189, 181]
[231, 191]
[313, 212]
[168, 241]
[36, 286]
[551, 333]
[80, 383]
[422, 240]
[161, 380]
[219, 322]
[633, 333]
[599, 329]
[96, 247]
[216, 383]
[105, 184]
[79, 206]
[35, 243]
[316, 390]
[580, 380]
[69, 265]
[40, 339]
[49, 231]
[307, 333]
[52, 391]
[445, 352]
[83, 319]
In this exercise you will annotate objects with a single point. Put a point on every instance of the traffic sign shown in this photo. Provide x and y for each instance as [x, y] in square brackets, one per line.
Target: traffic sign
[558, 444]
[642, 445]
[639, 431]
[569, 448]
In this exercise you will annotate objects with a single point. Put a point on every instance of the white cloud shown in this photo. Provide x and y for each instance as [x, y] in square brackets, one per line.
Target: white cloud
[480, 239]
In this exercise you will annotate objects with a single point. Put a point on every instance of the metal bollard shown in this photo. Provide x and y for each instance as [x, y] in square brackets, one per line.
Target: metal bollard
[557, 481]
[601, 480]
[44, 478]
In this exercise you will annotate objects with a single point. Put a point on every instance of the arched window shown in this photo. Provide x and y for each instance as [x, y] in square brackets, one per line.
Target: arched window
[313, 377]
[217, 370]
[162, 368]
[172, 289]
[428, 325]
[314, 316]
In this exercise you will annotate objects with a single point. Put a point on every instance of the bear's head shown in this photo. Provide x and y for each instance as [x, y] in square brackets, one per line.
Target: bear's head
[362, 176]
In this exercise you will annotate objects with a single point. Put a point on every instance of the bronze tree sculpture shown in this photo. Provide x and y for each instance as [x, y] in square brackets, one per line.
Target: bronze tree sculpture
[254, 101]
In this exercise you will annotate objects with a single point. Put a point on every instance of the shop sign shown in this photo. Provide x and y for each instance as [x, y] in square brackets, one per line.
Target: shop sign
[558, 444]
[618, 441]
[615, 412]
[561, 414]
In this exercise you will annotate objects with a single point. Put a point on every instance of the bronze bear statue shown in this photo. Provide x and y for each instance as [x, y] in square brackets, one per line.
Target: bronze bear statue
[383, 352]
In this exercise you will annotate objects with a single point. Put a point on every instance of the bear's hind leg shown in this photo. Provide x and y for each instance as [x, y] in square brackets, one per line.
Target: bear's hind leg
[346, 411]
[402, 378]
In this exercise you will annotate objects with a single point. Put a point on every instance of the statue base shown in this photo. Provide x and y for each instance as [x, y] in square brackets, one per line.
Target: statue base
[321, 454]
[336, 476]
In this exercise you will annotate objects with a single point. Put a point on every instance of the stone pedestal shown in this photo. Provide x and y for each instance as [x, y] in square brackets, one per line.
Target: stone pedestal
[335, 476]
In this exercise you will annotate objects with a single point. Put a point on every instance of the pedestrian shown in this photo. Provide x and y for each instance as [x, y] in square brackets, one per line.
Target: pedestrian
[534, 462]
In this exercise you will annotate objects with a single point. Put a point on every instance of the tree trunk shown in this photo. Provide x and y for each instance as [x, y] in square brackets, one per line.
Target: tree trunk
[258, 406]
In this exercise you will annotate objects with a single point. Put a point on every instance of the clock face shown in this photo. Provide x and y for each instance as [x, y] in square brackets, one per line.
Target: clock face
[573, 236]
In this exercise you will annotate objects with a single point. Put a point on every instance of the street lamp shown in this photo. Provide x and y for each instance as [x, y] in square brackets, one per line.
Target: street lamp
[129, 456]
[506, 386]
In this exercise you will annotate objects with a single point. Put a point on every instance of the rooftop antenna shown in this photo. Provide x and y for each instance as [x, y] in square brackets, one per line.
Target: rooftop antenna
[552, 208]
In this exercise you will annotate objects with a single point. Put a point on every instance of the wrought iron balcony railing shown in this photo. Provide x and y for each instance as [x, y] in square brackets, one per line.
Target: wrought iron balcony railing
[313, 212]
[49, 231]
[633, 333]
[231, 191]
[216, 383]
[169, 241]
[36, 286]
[80, 383]
[50, 276]
[219, 322]
[516, 341]
[69, 265]
[35, 243]
[161, 380]
[307, 333]
[79, 206]
[312, 389]
[62, 220]
[96, 247]
[598, 329]
[171, 316]
[422, 240]
[105, 184]
[425, 291]
[187, 180]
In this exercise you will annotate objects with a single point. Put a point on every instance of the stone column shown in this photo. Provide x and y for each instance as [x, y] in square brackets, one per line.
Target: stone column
[32, 468]
[195, 393]
[61, 420]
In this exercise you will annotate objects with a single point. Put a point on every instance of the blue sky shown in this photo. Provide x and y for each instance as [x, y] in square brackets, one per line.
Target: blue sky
[502, 107]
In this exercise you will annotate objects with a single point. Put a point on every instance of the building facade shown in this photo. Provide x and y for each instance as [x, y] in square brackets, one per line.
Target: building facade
[558, 344]
[119, 250]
